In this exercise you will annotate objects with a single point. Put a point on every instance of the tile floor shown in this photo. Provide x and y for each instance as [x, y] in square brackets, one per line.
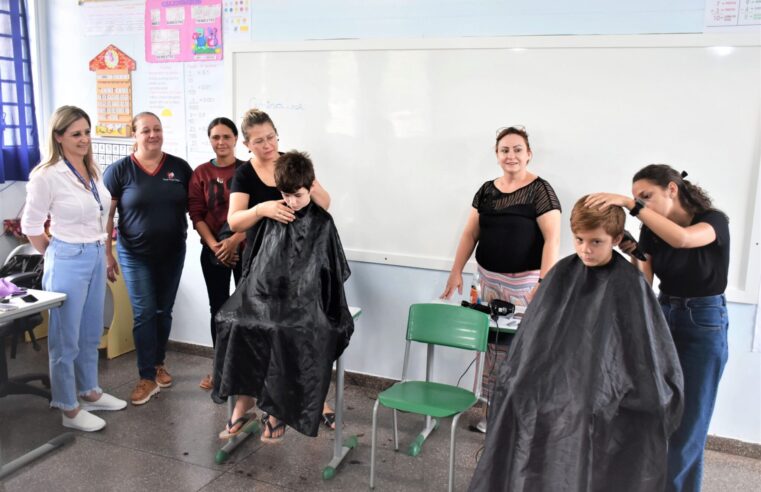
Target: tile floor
[169, 444]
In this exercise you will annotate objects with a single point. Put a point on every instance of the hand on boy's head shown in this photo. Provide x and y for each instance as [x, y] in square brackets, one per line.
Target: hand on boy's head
[605, 200]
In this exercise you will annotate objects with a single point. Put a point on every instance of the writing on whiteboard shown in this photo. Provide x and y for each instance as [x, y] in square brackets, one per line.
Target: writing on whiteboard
[269, 105]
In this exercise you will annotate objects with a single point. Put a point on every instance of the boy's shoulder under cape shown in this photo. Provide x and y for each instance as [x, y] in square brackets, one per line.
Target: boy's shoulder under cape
[591, 389]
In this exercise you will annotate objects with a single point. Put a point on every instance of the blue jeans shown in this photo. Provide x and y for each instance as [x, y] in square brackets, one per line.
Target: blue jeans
[699, 329]
[152, 283]
[74, 329]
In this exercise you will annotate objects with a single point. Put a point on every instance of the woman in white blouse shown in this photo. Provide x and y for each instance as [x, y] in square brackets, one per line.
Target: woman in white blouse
[68, 187]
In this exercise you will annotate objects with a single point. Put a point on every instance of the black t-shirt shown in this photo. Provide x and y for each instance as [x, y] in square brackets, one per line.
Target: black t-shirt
[247, 181]
[151, 207]
[510, 240]
[691, 272]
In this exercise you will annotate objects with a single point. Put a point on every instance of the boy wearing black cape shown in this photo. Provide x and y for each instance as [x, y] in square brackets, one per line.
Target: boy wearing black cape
[592, 387]
[288, 320]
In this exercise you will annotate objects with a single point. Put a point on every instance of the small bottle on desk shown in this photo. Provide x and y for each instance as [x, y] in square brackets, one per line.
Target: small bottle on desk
[475, 289]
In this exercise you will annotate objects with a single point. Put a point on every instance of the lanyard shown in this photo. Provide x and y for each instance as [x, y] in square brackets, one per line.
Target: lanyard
[93, 188]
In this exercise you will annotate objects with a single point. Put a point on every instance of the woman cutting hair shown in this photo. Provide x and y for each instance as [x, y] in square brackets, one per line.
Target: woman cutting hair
[686, 243]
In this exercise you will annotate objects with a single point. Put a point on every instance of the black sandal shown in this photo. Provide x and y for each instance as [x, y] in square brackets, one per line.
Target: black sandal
[228, 432]
[329, 420]
[280, 425]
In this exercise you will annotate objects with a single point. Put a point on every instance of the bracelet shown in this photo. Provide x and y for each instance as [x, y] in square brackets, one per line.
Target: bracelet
[638, 205]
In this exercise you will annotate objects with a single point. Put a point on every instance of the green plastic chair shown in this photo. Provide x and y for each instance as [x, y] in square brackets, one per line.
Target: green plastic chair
[434, 324]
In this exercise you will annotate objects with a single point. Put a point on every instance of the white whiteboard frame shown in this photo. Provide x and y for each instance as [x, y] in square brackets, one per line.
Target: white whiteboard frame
[749, 294]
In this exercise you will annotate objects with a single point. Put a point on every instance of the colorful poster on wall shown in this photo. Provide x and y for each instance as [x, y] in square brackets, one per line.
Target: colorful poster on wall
[183, 30]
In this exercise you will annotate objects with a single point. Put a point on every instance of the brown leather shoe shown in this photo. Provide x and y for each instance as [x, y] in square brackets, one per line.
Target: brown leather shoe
[143, 392]
[163, 378]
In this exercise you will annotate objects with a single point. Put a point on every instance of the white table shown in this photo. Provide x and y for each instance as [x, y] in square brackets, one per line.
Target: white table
[19, 308]
[45, 300]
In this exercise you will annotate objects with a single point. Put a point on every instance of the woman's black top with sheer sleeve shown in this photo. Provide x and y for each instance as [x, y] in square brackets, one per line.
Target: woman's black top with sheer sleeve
[510, 240]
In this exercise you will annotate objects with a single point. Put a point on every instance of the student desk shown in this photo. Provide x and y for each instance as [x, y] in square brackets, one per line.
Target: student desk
[340, 449]
[20, 309]
[16, 309]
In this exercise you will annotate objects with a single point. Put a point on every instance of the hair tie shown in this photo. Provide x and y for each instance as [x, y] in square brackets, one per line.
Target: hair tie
[684, 174]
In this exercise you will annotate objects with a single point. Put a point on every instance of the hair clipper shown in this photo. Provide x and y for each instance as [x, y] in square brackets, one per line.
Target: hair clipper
[637, 253]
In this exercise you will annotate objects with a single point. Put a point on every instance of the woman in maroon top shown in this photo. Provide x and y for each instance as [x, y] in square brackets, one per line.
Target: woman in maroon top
[208, 199]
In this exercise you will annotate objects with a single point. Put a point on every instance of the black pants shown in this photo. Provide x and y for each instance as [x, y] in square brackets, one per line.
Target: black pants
[217, 279]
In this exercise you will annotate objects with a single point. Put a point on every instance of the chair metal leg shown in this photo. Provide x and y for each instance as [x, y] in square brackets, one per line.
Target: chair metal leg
[396, 434]
[431, 425]
[452, 451]
[372, 443]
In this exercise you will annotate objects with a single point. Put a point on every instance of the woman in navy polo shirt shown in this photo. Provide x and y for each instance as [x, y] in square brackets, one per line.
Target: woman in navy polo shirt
[686, 241]
[150, 190]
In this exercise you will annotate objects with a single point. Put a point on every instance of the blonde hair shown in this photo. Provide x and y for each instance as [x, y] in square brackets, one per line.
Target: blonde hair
[252, 118]
[60, 121]
[134, 124]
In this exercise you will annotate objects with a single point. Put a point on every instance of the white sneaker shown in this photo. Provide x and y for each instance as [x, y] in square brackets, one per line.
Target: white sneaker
[105, 402]
[84, 421]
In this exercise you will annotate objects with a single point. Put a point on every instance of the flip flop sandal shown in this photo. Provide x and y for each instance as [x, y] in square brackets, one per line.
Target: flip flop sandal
[329, 420]
[227, 433]
[206, 383]
[280, 425]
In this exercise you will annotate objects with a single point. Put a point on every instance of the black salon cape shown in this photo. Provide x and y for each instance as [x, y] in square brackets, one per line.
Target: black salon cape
[591, 390]
[287, 321]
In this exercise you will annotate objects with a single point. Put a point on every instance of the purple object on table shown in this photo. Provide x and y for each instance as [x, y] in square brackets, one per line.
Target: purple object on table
[8, 288]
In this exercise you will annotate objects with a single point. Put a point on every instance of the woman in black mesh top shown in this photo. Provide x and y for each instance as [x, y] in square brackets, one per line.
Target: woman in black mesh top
[514, 226]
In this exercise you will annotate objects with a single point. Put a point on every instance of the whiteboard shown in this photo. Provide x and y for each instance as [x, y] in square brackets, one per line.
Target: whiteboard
[402, 131]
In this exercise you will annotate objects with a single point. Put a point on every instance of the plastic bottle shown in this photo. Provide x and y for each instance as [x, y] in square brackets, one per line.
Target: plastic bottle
[475, 289]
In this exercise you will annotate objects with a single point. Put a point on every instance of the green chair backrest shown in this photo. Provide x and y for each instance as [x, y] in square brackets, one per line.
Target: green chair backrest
[449, 325]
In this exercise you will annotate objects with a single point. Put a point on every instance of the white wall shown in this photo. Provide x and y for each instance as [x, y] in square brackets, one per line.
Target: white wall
[385, 292]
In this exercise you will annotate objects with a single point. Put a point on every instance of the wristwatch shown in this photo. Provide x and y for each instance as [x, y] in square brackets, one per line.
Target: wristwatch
[638, 204]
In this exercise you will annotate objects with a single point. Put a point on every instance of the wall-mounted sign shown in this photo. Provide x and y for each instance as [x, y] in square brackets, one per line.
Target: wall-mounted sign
[114, 91]
[183, 30]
